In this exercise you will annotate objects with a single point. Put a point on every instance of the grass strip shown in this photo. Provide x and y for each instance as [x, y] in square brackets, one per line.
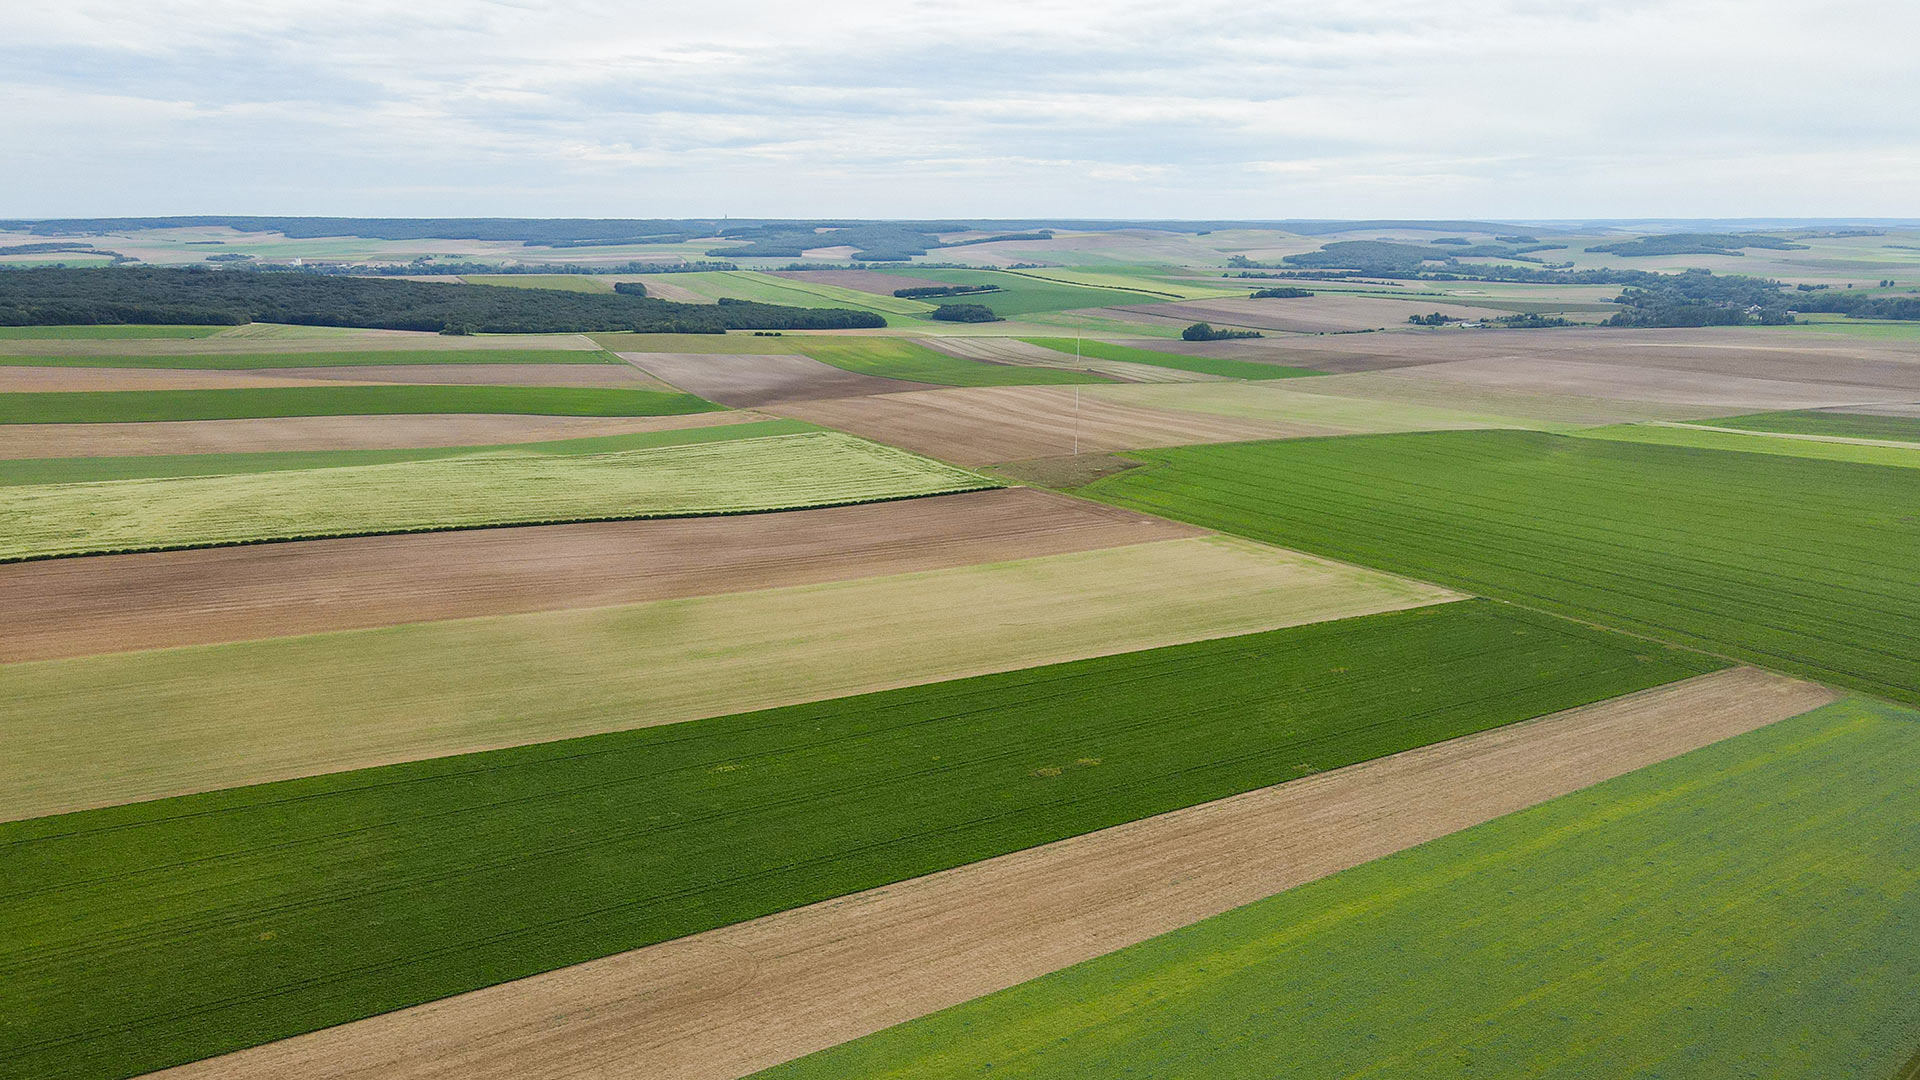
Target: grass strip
[818, 468]
[362, 358]
[1744, 910]
[1805, 566]
[152, 466]
[105, 333]
[127, 406]
[141, 936]
[1205, 365]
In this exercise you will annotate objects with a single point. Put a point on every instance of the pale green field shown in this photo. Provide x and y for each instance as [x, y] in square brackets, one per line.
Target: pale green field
[499, 488]
[1784, 445]
[563, 282]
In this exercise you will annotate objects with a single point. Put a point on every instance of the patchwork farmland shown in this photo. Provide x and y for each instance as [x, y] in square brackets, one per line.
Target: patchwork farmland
[770, 675]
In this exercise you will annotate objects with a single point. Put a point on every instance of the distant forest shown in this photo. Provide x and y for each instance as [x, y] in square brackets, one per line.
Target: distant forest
[43, 297]
[1695, 244]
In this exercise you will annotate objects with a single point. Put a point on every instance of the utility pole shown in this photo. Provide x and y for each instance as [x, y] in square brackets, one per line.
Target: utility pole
[1076, 390]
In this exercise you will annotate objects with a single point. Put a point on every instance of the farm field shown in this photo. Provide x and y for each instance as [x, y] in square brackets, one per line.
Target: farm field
[1807, 566]
[720, 427]
[833, 971]
[305, 434]
[1018, 353]
[260, 339]
[102, 973]
[354, 358]
[1840, 424]
[1532, 945]
[988, 425]
[1820, 447]
[65, 607]
[493, 488]
[172, 721]
[112, 407]
[107, 333]
[751, 380]
[1319, 313]
[1223, 366]
[1021, 294]
[23, 379]
[900, 358]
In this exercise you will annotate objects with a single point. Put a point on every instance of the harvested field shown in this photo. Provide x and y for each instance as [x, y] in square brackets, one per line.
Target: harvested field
[491, 488]
[867, 281]
[666, 289]
[1219, 366]
[310, 433]
[67, 607]
[110, 729]
[981, 426]
[1320, 313]
[136, 929]
[1294, 413]
[588, 374]
[1803, 565]
[1018, 353]
[750, 380]
[16, 380]
[1639, 927]
[912, 359]
[1625, 383]
[722, 1004]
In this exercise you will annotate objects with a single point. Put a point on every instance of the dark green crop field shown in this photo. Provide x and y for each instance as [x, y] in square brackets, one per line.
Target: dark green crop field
[79, 470]
[140, 936]
[1746, 910]
[1803, 565]
[124, 406]
[1811, 422]
[247, 361]
[1206, 365]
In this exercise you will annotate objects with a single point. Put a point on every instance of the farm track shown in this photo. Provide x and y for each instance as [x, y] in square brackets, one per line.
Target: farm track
[986, 425]
[727, 1002]
[300, 433]
[63, 608]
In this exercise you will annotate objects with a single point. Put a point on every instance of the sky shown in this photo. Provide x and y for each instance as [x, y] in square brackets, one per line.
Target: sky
[1516, 109]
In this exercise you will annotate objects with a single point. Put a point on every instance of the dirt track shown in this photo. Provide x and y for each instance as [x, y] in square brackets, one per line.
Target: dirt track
[123, 602]
[280, 433]
[745, 381]
[722, 1004]
[982, 426]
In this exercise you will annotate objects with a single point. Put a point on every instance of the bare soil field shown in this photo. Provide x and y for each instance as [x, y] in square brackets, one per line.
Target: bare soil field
[1315, 314]
[1908, 408]
[118, 603]
[982, 426]
[746, 381]
[1629, 382]
[120, 727]
[866, 281]
[276, 433]
[728, 1002]
[1021, 354]
[268, 337]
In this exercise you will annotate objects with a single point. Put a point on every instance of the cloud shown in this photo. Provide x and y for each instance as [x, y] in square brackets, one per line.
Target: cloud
[1522, 108]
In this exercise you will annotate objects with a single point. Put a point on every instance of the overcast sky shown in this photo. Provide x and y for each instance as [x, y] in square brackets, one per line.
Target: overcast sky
[1463, 108]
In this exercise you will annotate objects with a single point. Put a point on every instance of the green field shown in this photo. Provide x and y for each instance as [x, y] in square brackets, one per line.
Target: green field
[586, 283]
[105, 332]
[817, 468]
[143, 935]
[903, 358]
[1841, 424]
[130, 406]
[1206, 365]
[1746, 910]
[1757, 443]
[245, 361]
[1021, 295]
[149, 466]
[1806, 566]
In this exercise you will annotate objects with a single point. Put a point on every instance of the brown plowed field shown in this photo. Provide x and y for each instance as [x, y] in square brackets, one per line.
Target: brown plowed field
[981, 426]
[115, 603]
[278, 433]
[731, 1001]
[748, 380]
[866, 281]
